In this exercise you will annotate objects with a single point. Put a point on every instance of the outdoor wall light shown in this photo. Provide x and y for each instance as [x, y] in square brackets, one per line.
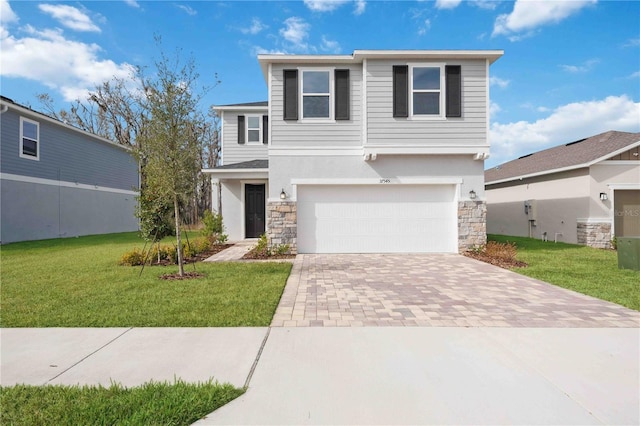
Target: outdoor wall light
[472, 194]
[603, 196]
[283, 195]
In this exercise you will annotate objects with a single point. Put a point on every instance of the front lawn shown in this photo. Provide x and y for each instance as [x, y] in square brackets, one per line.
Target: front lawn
[77, 282]
[583, 269]
[151, 404]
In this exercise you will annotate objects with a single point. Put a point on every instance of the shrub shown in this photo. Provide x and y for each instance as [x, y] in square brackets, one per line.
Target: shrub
[213, 227]
[134, 257]
[506, 251]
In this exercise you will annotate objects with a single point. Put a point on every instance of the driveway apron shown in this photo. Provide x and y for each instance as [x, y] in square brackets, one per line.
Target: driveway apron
[442, 290]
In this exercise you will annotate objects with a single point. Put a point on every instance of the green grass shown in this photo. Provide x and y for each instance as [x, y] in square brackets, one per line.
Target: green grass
[77, 282]
[151, 404]
[583, 269]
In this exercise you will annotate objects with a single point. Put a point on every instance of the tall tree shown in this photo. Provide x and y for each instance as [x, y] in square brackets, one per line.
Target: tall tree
[171, 143]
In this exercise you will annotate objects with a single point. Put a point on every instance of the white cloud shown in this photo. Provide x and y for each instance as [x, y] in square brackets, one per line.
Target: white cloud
[632, 42]
[7, 16]
[255, 28]
[485, 4]
[584, 67]
[132, 3]
[425, 27]
[70, 17]
[187, 9]
[528, 15]
[296, 31]
[331, 5]
[634, 75]
[566, 123]
[497, 81]
[329, 45]
[324, 5]
[259, 50]
[73, 70]
[447, 4]
[494, 108]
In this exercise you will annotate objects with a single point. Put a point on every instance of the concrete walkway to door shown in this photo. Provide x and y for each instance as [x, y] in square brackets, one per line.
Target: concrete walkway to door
[443, 290]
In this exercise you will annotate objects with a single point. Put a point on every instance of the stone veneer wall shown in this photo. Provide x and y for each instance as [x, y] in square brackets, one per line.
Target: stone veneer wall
[282, 224]
[472, 224]
[596, 234]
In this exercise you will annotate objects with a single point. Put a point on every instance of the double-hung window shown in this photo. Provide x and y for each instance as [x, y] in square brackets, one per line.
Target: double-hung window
[316, 94]
[29, 139]
[254, 129]
[426, 91]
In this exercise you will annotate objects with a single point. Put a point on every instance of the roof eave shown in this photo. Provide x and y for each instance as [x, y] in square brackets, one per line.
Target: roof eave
[239, 108]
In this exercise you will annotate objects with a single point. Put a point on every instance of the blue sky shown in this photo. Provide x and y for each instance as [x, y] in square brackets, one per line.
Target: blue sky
[571, 68]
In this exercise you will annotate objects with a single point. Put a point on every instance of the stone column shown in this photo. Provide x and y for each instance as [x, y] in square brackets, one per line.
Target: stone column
[472, 224]
[594, 234]
[282, 224]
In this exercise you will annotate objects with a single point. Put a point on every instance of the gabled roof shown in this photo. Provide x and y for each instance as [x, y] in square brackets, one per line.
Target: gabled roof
[573, 155]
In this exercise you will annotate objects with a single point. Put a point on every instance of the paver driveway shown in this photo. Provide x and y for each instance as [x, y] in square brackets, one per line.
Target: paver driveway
[432, 290]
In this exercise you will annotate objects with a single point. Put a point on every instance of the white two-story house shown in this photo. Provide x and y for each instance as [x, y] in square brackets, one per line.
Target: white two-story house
[373, 152]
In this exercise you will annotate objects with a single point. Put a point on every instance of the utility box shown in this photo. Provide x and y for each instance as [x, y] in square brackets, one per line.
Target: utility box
[629, 253]
[531, 209]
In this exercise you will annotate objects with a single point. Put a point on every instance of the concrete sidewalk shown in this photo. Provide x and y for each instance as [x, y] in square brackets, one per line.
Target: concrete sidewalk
[420, 375]
[129, 356]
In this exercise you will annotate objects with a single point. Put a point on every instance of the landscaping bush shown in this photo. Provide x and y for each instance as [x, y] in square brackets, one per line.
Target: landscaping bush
[134, 257]
[166, 252]
[213, 228]
[506, 251]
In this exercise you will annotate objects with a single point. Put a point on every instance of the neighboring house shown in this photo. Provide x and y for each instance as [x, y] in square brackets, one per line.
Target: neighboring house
[584, 192]
[59, 181]
[378, 151]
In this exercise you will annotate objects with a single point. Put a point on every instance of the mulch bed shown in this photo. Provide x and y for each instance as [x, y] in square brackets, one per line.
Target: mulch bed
[251, 255]
[186, 276]
[497, 261]
[197, 258]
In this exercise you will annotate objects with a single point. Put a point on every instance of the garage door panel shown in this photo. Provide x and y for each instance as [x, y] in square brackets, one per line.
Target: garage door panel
[377, 219]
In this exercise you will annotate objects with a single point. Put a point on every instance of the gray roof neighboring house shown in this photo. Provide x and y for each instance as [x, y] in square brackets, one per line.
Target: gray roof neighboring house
[253, 164]
[573, 155]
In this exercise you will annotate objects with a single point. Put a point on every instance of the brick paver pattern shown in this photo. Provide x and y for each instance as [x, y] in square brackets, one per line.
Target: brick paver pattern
[439, 290]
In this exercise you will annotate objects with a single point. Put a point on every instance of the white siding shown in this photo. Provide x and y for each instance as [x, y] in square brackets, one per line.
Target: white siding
[232, 151]
[298, 134]
[383, 128]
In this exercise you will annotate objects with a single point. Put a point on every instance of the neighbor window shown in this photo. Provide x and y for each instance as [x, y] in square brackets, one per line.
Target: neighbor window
[29, 139]
[426, 90]
[316, 94]
[254, 129]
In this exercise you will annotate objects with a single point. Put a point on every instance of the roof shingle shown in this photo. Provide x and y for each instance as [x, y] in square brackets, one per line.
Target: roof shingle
[573, 154]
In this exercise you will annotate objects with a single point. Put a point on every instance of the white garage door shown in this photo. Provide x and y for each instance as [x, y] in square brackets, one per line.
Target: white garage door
[377, 219]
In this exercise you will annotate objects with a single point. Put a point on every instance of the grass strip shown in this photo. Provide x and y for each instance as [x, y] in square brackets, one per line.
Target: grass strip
[587, 270]
[77, 282]
[154, 403]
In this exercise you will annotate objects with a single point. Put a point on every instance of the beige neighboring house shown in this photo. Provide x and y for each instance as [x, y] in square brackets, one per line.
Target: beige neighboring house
[584, 192]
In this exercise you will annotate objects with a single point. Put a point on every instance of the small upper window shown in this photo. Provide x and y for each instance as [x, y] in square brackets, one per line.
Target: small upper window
[254, 129]
[29, 139]
[426, 91]
[316, 94]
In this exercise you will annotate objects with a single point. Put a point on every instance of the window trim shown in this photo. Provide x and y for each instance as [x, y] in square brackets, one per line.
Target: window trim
[442, 106]
[331, 94]
[247, 128]
[22, 137]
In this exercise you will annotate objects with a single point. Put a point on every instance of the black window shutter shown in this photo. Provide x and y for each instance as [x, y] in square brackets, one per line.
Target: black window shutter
[400, 90]
[453, 83]
[342, 94]
[265, 129]
[290, 94]
[241, 129]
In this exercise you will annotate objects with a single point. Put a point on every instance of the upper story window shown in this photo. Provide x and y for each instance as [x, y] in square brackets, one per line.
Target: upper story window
[316, 94]
[29, 139]
[321, 95]
[426, 91]
[254, 129]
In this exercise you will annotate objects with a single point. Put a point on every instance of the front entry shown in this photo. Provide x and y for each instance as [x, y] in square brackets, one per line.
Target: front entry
[254, 210]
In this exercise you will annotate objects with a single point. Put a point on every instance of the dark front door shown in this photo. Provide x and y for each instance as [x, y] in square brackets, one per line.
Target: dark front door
[254, 210]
